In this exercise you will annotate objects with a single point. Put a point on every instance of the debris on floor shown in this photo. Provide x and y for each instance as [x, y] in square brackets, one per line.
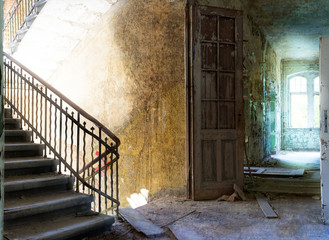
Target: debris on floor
[265, 206]
[300, 218]
[237, 195]
[278, 172]
[140, 223]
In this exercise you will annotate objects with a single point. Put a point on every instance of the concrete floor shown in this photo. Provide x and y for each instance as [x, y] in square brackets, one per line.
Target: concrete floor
[299, 218]
[305, 160]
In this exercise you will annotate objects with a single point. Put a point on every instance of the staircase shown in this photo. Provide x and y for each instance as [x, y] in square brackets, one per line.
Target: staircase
[61, 164]
[40, 203]
[18, 21]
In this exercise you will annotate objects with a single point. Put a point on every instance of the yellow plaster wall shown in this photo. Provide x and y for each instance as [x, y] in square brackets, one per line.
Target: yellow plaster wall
[129, 73]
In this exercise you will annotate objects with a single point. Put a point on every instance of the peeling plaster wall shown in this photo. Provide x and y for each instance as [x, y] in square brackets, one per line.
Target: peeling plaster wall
[128, 71]
[301, 138]
[262, 100]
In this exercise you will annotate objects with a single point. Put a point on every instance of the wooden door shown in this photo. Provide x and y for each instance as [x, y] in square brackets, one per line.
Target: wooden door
[215, 103]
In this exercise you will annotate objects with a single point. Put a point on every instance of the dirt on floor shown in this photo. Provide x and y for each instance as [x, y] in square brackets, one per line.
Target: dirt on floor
[299, 217]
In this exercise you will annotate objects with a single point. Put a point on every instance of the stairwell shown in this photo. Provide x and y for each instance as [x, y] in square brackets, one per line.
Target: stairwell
[40, 203]
[19, 20]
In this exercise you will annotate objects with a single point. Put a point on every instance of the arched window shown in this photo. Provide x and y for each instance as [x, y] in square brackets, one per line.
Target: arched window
[304, 101]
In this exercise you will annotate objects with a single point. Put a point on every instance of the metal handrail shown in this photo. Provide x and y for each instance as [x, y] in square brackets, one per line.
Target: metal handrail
[51, 123]
[71, 103]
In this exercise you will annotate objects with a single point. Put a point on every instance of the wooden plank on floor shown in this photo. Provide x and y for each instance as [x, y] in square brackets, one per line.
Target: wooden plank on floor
[281, 172]
[140, 223]
[265, 206]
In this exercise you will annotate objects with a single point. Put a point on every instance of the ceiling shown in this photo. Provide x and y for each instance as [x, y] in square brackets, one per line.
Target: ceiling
[293, 27]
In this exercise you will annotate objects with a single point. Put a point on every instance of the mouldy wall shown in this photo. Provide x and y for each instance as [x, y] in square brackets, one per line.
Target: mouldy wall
[129, 73]
[261, 86]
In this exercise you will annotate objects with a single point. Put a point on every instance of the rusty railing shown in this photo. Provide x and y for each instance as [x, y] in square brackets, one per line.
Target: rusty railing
[85, 148]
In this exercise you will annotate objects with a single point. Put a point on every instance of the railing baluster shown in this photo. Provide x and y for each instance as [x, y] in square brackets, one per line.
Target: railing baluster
[105, 176]
[11, 83]
[65, 136]
[50, 119]
[117, 179]
[60, 131]
[36, 109]
[84, 153]
[72, 130]
[100, 170]
[46, 117]
[41, 112]
[78, 149]
[28, 101]
[32, 112]
[92, 157]
[55, 131]
[112, 188]
[25, 100]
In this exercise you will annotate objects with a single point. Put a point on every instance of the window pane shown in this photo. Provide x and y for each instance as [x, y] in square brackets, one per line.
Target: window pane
[298, 110]
[316, 84]
[298, 84]
[316, 111]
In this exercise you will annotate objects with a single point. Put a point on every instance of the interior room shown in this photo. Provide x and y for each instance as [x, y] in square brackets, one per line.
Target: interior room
[195, 118]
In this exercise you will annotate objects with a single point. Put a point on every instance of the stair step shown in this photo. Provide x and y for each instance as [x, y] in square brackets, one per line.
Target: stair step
[41, 203]
[8, 113]
[29, 165]
[18, 136]
[39, 5]
[13, 123]
[20, 183]
[64, 227]
[23, 149]
[31, 17]
[22, 31]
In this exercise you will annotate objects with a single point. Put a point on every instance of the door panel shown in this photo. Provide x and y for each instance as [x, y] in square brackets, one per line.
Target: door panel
[216, 105]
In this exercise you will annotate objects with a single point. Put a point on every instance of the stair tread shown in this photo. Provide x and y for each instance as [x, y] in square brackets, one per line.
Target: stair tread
[21, 146]
[17, 131]
[23, 143]
[63, 227]
[39, 3]
[28, 162]
[22, 31]
[25, 182]
[31, 17]
[12, 119]
[40, 177]
[33, 158]
[26, 205]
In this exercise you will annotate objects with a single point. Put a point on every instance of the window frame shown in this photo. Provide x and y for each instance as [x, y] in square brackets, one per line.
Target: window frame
[309, 76]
